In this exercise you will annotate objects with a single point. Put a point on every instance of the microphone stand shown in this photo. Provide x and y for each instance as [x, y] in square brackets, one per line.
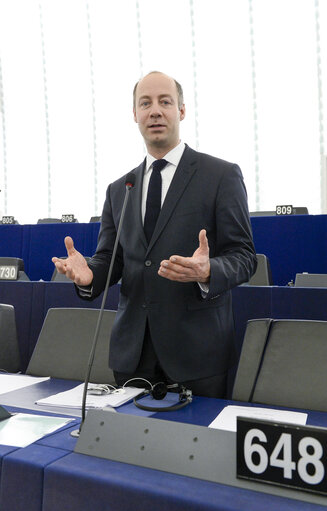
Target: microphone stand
[129, 183]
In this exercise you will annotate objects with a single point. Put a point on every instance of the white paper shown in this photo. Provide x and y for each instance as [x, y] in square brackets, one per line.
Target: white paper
[23, 429]
[73, 398]
[10, 382]
[227, 417]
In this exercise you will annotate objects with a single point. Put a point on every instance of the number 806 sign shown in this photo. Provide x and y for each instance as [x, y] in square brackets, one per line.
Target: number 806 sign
[282, 454]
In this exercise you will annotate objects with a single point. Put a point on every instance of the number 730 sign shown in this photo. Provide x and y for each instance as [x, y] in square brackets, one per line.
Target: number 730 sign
[282, 454]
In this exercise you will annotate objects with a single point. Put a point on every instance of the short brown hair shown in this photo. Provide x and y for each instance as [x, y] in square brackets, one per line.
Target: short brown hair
[179, 89]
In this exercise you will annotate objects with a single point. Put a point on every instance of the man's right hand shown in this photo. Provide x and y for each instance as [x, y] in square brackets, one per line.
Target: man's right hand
[75, 266]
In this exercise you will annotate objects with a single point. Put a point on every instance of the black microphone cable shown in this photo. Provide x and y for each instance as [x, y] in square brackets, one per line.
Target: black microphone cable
[129, 183]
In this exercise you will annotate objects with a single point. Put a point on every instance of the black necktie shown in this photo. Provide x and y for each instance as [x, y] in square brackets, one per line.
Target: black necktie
[153, 200]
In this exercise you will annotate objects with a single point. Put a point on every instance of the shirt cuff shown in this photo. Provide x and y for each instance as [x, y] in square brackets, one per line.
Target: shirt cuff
[204, 289]
[85, 291]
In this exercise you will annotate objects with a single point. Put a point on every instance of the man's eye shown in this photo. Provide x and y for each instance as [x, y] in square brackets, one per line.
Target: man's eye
[145, 103]
[166, 102]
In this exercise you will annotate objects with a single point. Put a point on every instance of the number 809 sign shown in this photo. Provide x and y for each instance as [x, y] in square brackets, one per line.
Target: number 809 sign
[282, 454]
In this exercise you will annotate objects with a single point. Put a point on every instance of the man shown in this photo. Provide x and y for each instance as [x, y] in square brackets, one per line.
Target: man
[174, 321]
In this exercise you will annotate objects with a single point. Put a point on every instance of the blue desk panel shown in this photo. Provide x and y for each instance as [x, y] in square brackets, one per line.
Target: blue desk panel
[22, 477]
[47, 240]
[78, 482]
[12, 240]
[37, 244]
[4, 450]
[299, 303]
[294, 244]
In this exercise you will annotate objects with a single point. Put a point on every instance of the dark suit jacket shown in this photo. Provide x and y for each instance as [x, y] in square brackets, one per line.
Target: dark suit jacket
[193, 337]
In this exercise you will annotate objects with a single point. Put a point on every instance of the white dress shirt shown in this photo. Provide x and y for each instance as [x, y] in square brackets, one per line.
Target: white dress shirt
[167, 173]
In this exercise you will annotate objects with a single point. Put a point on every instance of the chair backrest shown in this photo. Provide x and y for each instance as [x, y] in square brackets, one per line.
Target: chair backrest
[262, 276]
[292, 371]
[49, 221]
[63, 347]
[254, 343]
[9, 351]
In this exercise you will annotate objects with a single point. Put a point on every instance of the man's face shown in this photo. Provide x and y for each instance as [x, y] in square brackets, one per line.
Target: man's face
[157, 113]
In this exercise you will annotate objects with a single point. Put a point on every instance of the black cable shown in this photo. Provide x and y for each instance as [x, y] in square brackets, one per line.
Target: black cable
[129, 183]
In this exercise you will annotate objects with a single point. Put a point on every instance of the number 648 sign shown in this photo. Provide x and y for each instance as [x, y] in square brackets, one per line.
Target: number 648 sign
[282, 454]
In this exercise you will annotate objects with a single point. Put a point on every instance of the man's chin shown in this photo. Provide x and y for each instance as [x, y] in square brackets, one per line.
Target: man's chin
[158, 141]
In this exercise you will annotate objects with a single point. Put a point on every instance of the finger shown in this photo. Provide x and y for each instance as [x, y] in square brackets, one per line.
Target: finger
[184, 262]
[176, 276]
[178, 265]
[69, 245]
[61, 268]
[203, 240]
[70, 274]
[175, 270]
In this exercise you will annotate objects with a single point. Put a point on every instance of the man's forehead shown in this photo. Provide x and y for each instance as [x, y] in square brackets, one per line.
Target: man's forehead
[156, 84]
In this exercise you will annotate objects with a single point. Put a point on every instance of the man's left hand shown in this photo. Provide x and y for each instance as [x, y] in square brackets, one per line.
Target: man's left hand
[189, 269]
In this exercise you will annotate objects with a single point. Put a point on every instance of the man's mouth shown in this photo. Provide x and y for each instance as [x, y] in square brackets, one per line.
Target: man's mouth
[156, 126]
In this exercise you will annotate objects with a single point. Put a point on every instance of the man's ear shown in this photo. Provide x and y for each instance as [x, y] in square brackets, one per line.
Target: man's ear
[134, 115]
[182, 112]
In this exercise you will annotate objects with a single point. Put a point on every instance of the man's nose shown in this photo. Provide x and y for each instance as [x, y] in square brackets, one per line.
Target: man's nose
[155, 110]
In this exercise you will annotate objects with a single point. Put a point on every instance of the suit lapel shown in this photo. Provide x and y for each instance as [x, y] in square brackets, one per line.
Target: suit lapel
[182, 176]
[136, 200]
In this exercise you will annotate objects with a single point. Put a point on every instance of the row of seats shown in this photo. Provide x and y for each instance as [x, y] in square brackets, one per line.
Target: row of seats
[282, 362]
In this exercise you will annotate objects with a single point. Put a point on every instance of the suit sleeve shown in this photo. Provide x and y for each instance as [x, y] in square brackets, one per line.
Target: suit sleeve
[232, 254]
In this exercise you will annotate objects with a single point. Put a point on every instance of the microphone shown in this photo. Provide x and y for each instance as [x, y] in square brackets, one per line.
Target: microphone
[129, 183]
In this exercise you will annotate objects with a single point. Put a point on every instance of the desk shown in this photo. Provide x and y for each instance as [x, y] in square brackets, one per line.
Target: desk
[47, 475]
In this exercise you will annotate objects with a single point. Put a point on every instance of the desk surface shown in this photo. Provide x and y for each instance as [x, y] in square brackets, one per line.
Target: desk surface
[49, 471]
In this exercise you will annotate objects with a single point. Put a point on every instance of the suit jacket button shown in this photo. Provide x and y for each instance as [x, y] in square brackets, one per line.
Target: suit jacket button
[148, 263]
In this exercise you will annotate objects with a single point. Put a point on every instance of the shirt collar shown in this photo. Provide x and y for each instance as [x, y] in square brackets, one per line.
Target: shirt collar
[172, 156]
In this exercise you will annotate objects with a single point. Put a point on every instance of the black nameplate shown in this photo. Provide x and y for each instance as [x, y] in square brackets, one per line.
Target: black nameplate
[67, 219]
[8, 272]
[282, 454]
[8, 220]
[284, 210]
